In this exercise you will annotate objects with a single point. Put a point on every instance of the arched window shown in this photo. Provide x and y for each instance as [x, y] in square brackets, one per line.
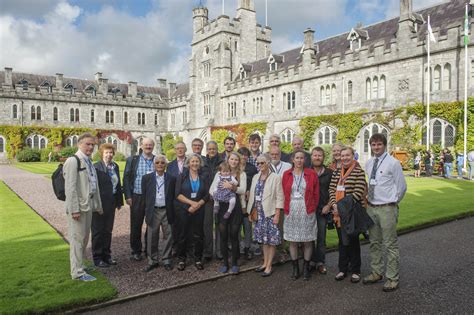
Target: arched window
[447, 77]
[112, 140]
[328, 95]
[55, 114]
[322, 100]
[72, 141]
[437, 78]
[125, 118]
[112, 119]
[36, 142]
[33, 113]
[77, 114]
[449, 136]
[71, 115]
[333, 94]
[375, 88]
[15, 111]
[368, 89]
[441, 132]
[326, 135]
[382, 87]
[107, 117]
[2, 144]
[38, 112]
[293, 100]
[366, 141]
[92, 115]
[287, 135]
[349, 91]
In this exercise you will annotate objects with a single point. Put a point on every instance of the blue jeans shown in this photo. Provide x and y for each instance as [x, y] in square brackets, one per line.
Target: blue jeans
[447, 169]
[460, 170]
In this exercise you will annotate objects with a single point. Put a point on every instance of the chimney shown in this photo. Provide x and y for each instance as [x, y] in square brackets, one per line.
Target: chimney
[308, 39]
[8, 76]
[104, 86]
[172, 89]
[162, 83]
[59, 81]
[405, 8]
[98, 76]
[132, 89]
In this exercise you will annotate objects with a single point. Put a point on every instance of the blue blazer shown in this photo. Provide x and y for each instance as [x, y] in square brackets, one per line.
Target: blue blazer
[149, 194]
[173, 169]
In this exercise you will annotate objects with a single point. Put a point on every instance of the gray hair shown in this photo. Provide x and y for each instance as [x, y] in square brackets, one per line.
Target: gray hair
[190, 156]
[266, 156]
[86, 135]
[276, 136]
[297, 139]
[211, 142]
[180, 142]
[160, 157]
[150, 139]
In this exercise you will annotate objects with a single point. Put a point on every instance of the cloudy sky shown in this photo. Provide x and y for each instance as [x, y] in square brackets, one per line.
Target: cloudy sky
[142, 40]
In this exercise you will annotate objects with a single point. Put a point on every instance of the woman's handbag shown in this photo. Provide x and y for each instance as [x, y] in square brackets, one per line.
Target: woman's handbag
[254, 215]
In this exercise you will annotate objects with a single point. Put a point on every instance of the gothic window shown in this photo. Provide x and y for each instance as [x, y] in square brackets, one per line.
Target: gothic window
[71, 115]
[437, 132]
[232, 110]
[72, 141]
[366, 141]
[322, 97]
[333, 94]
[173, 119]
[437, 78]
[55, 114]
[288, 101]
[156, 119]
[328, 95]
[326, 135]
[76, 115]
[33, 113]
[293, 100]
[107, 117]
[369, 131]
[125, 118]
[284, 100]
[38, 112]
[382, 87]
[375, 88]
[69, 88]
[2, 144]
[368, 89]
[92, 115]
[447, 77]
[287, 135]
[185, 117]
[90, 89]
[15, 111]
[449, 136]
[244, 109]
[349, 91]
[273, 66]
[207, 106]
[112, 118]
[207, 69]
[141, 118]
[36, 142]
[112, 140]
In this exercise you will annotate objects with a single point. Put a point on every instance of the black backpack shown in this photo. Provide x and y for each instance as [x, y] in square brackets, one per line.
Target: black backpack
[58, 180]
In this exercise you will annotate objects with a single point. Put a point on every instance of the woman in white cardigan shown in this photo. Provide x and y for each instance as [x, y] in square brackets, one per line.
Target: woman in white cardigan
[232, 224]
[266, 196]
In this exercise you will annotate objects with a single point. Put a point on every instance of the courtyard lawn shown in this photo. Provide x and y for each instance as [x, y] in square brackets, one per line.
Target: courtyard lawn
[49, 168]
[34, 262]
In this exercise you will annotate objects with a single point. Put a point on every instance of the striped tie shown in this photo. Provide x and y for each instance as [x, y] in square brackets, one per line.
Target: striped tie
[372, 176]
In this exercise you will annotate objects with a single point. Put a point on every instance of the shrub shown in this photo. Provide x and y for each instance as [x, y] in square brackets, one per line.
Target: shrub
[28, 155]
[67, 152]
[45, 155]
[119, 157]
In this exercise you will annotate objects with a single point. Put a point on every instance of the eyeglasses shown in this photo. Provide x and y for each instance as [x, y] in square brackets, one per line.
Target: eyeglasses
[160, 162]
[261, 163]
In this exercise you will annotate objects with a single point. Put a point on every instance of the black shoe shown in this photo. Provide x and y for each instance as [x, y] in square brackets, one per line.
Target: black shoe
[150, 267]
[267, 274]
[168, 267]
[111, 262]
[259, 269]
[136, 257]
[181, 265]
[296, 270]
[101, 264]
[306, 271]
[198, 265]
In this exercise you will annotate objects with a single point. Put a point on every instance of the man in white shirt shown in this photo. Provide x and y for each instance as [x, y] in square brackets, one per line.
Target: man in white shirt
[386, 189]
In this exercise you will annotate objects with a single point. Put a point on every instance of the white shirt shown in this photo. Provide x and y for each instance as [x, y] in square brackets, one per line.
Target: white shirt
[160, 191]
[391, 185]
[281, 168]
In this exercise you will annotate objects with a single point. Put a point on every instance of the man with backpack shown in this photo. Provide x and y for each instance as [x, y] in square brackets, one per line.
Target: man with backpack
[82, 199]
[135, 167]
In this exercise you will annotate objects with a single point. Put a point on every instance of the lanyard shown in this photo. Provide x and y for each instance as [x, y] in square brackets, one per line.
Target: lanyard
[260, 186]
[378, 166]
[158, 184]
[300, 178]
[149, 163]
[277, 170]
[194, 184]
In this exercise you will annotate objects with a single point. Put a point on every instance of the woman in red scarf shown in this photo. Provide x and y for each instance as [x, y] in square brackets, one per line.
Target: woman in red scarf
[301, 190]
[347, 180]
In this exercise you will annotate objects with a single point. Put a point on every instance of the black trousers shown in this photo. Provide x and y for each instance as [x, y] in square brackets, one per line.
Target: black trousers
[319, 252]
[189, 231]
[137, 216]
[349, 256]
[230, 228]
[101, 230]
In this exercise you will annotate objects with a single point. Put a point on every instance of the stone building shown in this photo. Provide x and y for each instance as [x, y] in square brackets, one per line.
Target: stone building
[235, 77]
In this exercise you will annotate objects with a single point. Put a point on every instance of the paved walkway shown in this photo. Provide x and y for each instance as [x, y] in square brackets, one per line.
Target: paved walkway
[36, 190]
[436, 277]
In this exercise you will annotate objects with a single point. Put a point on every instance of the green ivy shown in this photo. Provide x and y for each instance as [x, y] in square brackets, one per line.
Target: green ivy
[167, 145]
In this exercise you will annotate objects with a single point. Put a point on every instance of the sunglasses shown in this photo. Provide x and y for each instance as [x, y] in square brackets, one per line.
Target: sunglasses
[160, 162]
[261, 163]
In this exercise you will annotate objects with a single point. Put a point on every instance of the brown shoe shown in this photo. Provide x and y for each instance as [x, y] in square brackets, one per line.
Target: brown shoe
[372, 278]
[322, 269]
[390, 285]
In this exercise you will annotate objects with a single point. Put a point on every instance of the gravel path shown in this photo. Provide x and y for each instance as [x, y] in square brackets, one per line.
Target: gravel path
[127, 276]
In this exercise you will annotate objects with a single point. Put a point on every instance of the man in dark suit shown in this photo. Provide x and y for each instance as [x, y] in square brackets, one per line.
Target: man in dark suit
[158, 191]
[176, 167]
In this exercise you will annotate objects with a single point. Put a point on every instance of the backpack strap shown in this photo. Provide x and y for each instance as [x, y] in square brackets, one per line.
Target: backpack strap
[78, 164]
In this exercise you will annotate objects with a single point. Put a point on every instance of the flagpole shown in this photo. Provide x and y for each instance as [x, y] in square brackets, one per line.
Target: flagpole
[266, 13]
[465, 85]
[429, 92]
[223, 7]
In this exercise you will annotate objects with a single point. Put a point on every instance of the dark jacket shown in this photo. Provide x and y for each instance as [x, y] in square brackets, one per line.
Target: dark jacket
[173, 169]
[130, 174]
[324, 181]
[213, 164]
[250, 171]
[149, 193]
[354, 217]
[107, 196]
[183, 187]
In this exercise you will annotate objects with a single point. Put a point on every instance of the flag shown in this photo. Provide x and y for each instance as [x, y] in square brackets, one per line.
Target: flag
[430, 32]
[466, 29]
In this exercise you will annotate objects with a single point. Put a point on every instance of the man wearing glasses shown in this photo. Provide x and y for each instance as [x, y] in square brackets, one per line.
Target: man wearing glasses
[275, 142]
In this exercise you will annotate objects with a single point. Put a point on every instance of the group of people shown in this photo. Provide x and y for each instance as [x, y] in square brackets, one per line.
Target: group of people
[446, 163]
[202, 203]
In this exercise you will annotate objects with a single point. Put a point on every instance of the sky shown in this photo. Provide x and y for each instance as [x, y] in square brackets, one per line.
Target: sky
[143, 40]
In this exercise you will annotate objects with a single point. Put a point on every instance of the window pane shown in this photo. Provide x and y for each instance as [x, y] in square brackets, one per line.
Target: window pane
[320, 137]
[366, 141]
[2, 145]
[326, 135]
[42, 143]
[449, 136]
[35, 142]
[334, 135]
[437, 132]
[375, 129]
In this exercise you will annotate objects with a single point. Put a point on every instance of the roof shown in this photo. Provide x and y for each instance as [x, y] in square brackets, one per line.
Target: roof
[181, 90]
[443, 16]
[35, 80]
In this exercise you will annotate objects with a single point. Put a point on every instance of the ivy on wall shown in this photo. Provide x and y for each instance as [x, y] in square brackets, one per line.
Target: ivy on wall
[240, 131]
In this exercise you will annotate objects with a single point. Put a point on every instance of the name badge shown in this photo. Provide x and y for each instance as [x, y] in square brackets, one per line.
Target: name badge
[193, 195]
[373, 182]
[258, 198]
[340, 188]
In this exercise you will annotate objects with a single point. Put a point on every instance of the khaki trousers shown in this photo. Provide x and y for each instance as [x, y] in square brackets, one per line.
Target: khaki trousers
[79, 231]
[383, 238]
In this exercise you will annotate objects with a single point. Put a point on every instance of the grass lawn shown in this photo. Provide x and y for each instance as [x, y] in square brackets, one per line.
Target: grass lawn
[34, 262]
[49, 168]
